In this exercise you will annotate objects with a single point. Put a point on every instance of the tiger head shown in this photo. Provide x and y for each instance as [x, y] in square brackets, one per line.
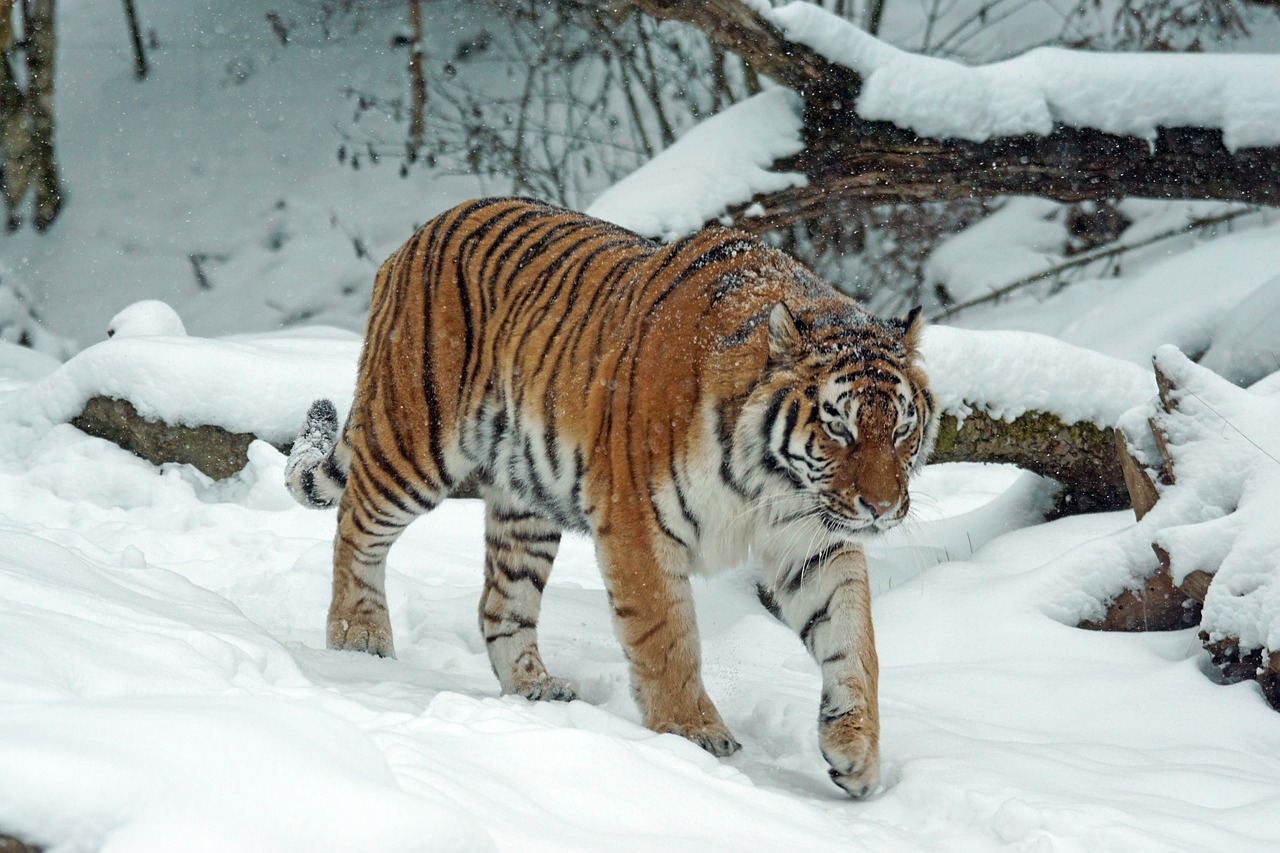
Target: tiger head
[846, 416]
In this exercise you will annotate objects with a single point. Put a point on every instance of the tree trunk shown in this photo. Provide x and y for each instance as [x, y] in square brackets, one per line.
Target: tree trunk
[135, 38]
[27, 160]
[1160, 604]
[417, 81]
[850, 159]
[41, 45]
[15, 137]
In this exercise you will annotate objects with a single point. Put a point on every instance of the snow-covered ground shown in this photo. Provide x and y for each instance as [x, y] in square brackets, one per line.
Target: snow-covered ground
[165, 686]
[164, 683]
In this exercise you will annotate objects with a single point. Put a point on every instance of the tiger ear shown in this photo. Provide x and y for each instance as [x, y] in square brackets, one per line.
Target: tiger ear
[912, 329]
[784, 337]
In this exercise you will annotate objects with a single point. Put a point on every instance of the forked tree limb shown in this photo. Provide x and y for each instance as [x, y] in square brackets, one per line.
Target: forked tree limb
[851, 160]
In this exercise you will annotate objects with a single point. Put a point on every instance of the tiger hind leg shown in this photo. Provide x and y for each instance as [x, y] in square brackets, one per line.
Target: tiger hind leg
[375, 508]
[519, 549]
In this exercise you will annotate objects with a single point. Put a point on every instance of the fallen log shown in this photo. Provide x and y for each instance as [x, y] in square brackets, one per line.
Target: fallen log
[848, 159]
[1080, 456]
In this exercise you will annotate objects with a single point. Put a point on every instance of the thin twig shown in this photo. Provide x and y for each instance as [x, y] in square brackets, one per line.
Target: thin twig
[1090, 257]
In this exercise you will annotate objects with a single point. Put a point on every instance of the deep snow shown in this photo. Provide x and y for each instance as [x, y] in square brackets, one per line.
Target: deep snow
[165, 678]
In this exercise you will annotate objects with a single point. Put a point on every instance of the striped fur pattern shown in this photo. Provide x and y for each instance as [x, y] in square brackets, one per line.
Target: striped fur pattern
[685, 404]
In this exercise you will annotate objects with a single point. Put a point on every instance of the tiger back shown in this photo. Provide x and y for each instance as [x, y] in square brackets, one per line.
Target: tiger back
[684, 404]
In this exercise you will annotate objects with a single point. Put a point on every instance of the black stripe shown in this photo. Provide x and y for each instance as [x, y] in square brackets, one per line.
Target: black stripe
[514, 575]
[797, 577]
[334, 471]
[820, 616]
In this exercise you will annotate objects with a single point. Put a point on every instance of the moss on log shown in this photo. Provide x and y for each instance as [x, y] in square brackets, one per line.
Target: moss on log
[1080, 456]
[217, 452]
[9, 844]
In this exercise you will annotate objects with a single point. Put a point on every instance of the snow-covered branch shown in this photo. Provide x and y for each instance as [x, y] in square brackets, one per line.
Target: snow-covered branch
[883, 125]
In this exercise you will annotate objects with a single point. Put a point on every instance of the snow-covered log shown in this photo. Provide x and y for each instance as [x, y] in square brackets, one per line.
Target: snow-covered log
[1206, 454]
[883, 125]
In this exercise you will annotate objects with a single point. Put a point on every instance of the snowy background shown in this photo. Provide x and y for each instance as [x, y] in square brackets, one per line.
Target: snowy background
[165, 685]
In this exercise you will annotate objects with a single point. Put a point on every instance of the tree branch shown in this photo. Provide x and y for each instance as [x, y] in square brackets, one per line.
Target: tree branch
[762, 46]
[1089, 257]
[852, 160]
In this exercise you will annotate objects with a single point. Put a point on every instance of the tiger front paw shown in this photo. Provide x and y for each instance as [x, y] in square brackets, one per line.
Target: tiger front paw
[371, 637]
[546, 688]
[850, 747]
[715, 738]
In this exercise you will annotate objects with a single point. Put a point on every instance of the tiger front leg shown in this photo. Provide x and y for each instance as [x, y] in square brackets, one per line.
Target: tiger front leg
[653, 616]
[825, 598]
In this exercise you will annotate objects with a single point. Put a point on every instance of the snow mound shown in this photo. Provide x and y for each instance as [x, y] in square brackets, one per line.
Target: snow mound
[261, 384]
[1246, 345]
[718, 163]
[1022, 238]
[148, 318]
[1183, 300]
[1010, 373]
[1126, 94]
[99, 753]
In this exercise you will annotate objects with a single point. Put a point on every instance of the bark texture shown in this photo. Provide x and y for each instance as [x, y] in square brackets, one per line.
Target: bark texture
[1080, 456]
[217, 452]
[214, 450]
[851, 160]
[9, 844]
[27, 161]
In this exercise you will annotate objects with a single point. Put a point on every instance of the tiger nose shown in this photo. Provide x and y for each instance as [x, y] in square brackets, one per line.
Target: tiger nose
[876, 509]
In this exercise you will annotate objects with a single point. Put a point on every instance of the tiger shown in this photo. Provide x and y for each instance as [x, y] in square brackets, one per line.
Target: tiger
[687, 404]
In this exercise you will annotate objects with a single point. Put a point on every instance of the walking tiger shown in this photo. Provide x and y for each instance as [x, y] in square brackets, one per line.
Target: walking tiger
[684, 404]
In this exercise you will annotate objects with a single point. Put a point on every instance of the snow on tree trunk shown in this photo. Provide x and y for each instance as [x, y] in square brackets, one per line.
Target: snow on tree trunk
[1205, 454]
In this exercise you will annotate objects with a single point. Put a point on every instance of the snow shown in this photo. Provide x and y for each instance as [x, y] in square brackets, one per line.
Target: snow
[718, 163]
[1246, 343]
[147, 318]
[261, 384]
[1218, 517]
[165, 683]
[1008, 373]
[1185, 298]
[1124, 94]
[1022, 238]
[1194, 291]
[165, 676]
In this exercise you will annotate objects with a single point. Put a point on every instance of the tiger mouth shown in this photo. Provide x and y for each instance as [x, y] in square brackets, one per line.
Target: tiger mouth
[838, 522]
